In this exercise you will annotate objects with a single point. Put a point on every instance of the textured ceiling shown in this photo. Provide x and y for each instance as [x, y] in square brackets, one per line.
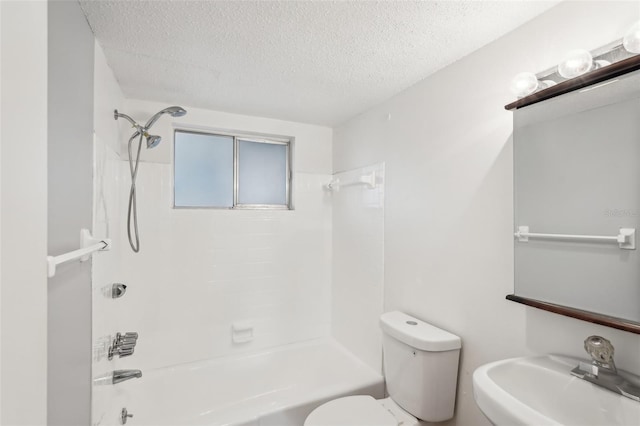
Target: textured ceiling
[311, 61]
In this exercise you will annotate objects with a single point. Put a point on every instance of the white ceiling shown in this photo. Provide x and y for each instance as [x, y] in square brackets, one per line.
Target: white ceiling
[310, 61]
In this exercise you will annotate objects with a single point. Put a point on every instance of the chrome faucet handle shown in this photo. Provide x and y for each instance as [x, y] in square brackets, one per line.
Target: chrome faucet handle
[123, 344]
[601, 351]
[130, 335]
[126, 351]
[602, 370]
[125, 341]
[118, 290]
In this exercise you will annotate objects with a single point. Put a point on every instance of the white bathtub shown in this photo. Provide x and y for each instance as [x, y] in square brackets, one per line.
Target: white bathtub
[278, 387]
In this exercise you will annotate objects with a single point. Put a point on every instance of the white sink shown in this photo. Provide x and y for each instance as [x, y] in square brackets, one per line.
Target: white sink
[541, 391]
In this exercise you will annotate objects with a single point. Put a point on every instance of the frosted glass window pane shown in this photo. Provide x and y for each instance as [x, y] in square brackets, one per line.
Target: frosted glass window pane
[262, 173]
[203, 170]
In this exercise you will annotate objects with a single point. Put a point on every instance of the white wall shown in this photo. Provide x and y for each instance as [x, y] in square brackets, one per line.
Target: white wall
[198, 271]
[1, 401]
[23, 195]
[448, 188]
[357, 279]
[70, 202]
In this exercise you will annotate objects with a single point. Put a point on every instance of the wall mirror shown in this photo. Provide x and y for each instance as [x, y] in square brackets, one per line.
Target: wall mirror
[577, 182]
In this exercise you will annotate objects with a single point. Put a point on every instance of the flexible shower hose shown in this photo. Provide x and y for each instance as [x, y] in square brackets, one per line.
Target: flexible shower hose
[133, 210]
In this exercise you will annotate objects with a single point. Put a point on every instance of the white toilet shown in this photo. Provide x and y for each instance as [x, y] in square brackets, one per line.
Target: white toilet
[421, 371]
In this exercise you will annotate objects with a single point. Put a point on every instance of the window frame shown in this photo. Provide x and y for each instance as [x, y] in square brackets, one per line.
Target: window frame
[237, 137]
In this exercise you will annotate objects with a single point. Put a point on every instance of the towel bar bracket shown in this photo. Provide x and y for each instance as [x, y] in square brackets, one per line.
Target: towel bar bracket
[88, 245]
[87, 240]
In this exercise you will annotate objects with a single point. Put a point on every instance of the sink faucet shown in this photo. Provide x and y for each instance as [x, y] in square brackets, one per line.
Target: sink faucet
[602, 371]
[123, 375]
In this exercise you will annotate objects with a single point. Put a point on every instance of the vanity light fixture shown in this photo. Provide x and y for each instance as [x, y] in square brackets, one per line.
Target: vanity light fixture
[578, 62]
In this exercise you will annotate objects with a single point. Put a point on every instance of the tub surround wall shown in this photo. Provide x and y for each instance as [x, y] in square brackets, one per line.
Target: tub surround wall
[268, 268]
[70, 187]
[448, 243]
[200, 271]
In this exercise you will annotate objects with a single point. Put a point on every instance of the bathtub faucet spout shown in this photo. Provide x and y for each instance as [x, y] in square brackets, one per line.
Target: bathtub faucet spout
[123, 375]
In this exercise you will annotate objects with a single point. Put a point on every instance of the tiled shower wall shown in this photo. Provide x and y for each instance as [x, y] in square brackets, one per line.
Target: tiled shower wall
[200, 271]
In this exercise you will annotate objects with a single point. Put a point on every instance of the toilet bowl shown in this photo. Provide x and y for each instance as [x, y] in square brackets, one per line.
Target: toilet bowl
[421, 371]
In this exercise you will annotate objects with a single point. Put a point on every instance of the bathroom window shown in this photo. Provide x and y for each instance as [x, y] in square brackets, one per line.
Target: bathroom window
[231, 171]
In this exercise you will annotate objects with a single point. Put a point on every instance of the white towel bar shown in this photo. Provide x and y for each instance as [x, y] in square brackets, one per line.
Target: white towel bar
[368, 180]
[88, 245]
[626, 239]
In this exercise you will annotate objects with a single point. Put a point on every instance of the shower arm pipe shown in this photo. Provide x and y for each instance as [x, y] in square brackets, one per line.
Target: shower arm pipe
[135, 125]
[88, 245]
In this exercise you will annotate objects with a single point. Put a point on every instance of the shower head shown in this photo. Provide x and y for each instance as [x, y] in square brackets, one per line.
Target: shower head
[174, 111]
[153, 140]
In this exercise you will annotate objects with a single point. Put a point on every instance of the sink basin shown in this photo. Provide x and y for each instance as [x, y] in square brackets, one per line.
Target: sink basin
[541, 391]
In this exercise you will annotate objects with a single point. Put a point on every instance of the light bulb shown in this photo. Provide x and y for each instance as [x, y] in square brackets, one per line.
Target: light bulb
[575, 63]
[631, 40]
[524, 84]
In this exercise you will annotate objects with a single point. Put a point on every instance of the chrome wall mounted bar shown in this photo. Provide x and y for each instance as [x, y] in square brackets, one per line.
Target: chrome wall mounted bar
[626, 238]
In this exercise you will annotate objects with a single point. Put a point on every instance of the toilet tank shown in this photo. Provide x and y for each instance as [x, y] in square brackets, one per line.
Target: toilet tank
[420, 366]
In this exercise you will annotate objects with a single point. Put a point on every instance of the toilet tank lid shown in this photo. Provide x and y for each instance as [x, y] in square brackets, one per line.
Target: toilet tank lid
[418, 334]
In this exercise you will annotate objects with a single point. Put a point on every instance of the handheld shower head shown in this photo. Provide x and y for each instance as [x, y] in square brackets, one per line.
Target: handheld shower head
[174, 111]
[153, 140]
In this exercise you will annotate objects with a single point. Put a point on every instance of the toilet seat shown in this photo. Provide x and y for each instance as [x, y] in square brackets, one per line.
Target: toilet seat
[359, 410]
